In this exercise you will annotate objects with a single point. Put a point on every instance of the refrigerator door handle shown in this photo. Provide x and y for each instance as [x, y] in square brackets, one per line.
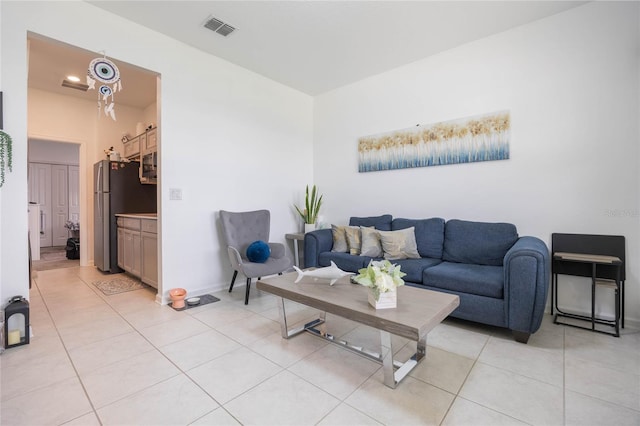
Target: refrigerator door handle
[98, 181]
[42, 229]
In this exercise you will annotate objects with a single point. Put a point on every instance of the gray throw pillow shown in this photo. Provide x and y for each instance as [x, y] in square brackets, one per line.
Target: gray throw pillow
[371, 244]
[399, 244]
[339, 239]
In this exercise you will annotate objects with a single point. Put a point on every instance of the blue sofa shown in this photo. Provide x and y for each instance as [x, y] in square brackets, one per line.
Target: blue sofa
[501, 278]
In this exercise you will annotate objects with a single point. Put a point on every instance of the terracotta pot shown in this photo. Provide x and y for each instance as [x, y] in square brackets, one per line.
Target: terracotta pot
[177, 296]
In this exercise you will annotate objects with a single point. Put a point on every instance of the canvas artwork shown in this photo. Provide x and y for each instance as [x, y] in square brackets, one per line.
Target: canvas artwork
[478, 138]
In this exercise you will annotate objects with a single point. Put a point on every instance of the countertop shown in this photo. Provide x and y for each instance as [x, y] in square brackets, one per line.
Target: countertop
[153, 216]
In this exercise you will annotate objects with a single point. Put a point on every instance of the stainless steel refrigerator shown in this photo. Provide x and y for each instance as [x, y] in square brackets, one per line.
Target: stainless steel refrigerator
[117, 189]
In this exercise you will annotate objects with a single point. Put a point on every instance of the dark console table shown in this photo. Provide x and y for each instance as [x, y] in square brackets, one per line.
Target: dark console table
[600, 257]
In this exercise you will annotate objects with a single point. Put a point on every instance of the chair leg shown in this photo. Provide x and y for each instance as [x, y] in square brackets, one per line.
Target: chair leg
[246, 296]
[233, 280]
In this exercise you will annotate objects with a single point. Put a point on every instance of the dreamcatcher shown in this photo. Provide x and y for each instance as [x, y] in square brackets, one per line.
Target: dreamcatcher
[107, 73]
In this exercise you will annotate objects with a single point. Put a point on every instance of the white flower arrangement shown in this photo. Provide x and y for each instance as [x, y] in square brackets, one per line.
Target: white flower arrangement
[381, 277]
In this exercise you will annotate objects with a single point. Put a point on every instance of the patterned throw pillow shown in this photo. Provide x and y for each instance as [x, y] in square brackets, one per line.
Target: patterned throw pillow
[400, 244]
[354, 240]
[339, 239]
[371, 244]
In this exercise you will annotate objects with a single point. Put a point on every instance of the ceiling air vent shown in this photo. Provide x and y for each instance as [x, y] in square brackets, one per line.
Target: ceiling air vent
[217, 26]
[74, 85]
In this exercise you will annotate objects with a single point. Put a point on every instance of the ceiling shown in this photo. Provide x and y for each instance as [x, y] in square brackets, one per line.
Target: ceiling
[311, 46]
[52, 61]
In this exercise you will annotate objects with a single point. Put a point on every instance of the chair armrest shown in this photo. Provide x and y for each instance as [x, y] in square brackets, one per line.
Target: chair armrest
[277, 250]
[316, 242]
[234, 257]
[526, 282]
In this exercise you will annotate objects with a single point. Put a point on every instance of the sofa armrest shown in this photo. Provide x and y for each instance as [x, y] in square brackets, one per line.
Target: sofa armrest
[316, 242]
[277, 250]
[526, 281]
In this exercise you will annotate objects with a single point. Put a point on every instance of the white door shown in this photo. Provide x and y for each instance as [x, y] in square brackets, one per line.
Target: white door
[74, 194]
[40, 193]
[59, 205]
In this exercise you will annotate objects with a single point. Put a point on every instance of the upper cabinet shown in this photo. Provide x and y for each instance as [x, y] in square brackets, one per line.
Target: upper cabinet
[141, 144]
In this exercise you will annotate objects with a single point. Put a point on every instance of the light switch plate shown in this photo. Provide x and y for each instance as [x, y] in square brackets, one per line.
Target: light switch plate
[175, 194]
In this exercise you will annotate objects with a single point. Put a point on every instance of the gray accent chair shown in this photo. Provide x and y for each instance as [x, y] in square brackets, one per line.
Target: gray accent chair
[241, 229]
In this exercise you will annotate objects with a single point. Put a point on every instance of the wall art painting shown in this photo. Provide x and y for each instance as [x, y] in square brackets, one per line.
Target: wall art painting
[467, 140]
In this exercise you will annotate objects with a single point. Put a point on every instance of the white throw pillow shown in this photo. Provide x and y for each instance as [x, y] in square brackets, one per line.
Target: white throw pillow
[371, 245]
[400, 244]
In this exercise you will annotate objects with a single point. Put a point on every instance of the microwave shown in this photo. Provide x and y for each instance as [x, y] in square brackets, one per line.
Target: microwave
[149, 167]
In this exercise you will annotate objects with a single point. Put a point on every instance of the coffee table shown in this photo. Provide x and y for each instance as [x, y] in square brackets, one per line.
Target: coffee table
[417, 313]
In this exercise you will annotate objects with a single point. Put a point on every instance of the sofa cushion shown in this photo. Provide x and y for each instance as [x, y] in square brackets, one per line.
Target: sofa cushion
[478, 243]
[339, 239]
[382, 223]
[429, 234]
[415, 267]
[371, 245]
[482, 280]
[344, 261]
[400, 244]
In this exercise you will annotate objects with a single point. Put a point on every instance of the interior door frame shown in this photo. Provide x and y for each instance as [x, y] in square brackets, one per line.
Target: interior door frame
[85, 194]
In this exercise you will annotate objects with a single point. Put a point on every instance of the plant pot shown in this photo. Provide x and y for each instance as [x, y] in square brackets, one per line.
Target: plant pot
[386, 300]
[308, 227]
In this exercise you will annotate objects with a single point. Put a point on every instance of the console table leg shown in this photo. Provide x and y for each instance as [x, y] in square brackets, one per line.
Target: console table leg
[386, 350]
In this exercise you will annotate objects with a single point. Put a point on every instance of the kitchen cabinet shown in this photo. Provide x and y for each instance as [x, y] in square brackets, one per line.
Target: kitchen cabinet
[141, 144]
[151, 141]
[149, 243]
[132, 148]
[138, 247]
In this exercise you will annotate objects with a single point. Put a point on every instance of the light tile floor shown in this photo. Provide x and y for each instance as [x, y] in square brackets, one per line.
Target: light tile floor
[124, 359]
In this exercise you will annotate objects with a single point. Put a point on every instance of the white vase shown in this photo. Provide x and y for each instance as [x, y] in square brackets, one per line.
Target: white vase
[308, 227]
[385, 301]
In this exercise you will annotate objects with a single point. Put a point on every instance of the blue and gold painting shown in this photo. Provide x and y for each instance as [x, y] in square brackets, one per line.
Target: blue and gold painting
[467, 140]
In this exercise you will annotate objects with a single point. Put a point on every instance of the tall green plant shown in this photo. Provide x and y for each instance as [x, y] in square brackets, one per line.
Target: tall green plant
[312, 203]
[5, 155]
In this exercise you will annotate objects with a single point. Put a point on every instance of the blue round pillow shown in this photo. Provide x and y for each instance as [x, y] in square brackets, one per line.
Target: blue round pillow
[258, 251]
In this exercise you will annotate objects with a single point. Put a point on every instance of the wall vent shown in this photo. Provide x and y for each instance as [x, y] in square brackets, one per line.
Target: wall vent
[74, 85]
[217, 26]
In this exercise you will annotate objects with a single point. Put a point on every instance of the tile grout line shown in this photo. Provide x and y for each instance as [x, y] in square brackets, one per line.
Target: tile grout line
[66, 350]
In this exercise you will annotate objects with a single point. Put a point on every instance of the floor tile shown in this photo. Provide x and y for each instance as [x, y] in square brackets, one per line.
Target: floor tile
[544, 365]
[89, 419]
[99, 354]
[175, 401]
[115, 381]
[222, 314]
[602, 382]
[404, 405]
[467, 413]
[218, 417]
[173, 331]
[250, 329]
[151, 315]
[45, 370]
[583, 410]
[344, 414]
[54, 404]
[93, 331]
[439, 368]
[335, 370]
[297, 401]
[523, 398]
[286, 352]
[457, 340]
[617, 353]
[231, 374]
[198, 349]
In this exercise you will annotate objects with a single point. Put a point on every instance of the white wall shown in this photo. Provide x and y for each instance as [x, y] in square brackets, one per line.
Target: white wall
[53, 152]
[571, 84]
[231, 139]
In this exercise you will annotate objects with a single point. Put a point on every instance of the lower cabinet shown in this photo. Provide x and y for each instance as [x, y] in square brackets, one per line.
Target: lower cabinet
[138, 248]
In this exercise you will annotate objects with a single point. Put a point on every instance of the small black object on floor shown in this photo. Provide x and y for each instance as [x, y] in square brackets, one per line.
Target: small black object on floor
[204, 300]
[73, 248]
